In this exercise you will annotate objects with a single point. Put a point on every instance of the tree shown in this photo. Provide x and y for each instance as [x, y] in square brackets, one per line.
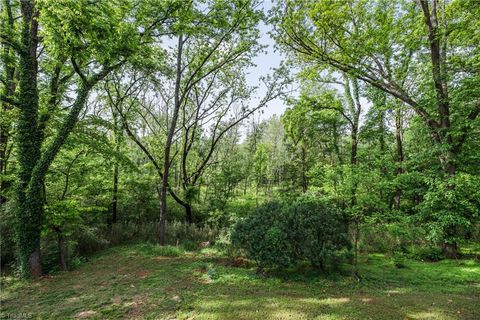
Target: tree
[208, 51]
[93, 40]
[8, 67]
[412, 52]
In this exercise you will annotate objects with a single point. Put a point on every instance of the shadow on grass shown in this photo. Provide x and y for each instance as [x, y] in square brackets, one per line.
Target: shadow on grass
[137, 282]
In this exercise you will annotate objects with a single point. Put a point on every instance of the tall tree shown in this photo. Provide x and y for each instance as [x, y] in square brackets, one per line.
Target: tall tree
[373, 41]
[94, 39]
[208, 40]
[8, 66]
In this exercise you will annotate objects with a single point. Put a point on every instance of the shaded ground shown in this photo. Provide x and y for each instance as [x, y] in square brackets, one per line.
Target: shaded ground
[139, 282]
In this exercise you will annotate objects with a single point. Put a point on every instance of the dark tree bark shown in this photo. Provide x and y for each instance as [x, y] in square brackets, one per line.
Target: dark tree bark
[188, 213]
[62, 246]
[400, 157]
[62, 249]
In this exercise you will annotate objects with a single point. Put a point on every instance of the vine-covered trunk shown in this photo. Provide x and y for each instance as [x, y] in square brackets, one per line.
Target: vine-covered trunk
[29, 193]
[29, 224]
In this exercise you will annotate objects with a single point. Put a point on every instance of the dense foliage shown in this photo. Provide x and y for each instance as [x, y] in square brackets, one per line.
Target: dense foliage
[276, 235]
[141, 121]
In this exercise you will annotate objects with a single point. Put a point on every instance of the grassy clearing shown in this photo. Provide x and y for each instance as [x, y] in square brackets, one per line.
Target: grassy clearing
[148, 282]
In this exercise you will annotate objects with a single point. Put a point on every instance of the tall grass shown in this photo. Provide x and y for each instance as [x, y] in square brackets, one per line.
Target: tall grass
[176, 233]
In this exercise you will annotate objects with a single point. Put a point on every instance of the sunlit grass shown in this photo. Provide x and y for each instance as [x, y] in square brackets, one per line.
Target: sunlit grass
[150, 282]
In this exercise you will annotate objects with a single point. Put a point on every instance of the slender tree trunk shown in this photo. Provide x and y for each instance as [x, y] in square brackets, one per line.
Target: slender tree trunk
[188, 213]
[62, 249]
[400, 157]
[356, 238]
[115, 193]
[353, 99]
[168, 144]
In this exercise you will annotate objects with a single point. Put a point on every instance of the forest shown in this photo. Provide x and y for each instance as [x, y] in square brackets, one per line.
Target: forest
[240, 159]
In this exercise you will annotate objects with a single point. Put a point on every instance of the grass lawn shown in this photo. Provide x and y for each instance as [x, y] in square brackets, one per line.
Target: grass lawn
[149, 282]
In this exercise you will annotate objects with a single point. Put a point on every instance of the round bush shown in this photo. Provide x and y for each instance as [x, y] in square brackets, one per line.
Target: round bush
[318, 232]
[264, 237]
[280, 236]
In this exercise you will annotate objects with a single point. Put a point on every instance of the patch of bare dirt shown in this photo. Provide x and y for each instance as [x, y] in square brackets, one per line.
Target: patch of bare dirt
[137, 306]
[162, 258]
[143, 274]
[85, 314]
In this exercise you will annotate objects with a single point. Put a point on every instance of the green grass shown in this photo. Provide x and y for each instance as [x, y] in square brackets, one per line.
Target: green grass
[148, 282]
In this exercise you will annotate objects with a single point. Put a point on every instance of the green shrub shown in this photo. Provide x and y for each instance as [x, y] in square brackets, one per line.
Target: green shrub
[189, 245]
[89, 239]
[263, 236]
[318, 232]
[212, 273]
[451, 208]
[391, 237]
[223, 245]
[281, 236]
[431, 254]
[76, 262]
[399, 260]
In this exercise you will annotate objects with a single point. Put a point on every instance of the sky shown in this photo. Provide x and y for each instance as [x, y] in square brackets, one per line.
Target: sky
[265, 63]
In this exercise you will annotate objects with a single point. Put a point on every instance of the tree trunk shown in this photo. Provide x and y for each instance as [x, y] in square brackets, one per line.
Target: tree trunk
[356, 237]
[117, 137]
[163, 208]
[35, 263]
[29, 195]
[400, 157]
[115, 193]
[188, 213]
[353, 98]
[63, 254]
[451, 250]
[168, 144]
